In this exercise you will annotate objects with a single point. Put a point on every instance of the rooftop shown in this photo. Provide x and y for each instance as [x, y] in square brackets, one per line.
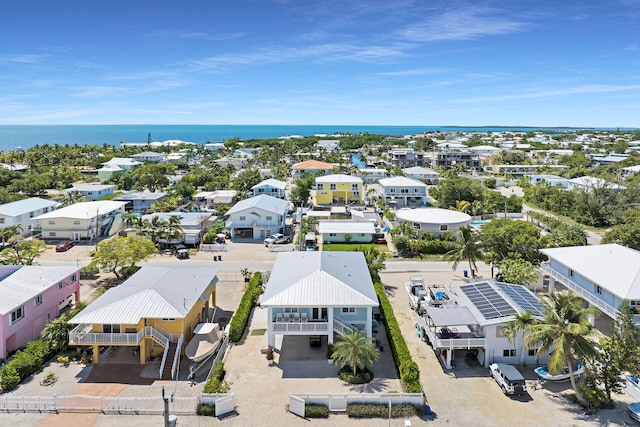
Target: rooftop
[84, 210]
[24, 206]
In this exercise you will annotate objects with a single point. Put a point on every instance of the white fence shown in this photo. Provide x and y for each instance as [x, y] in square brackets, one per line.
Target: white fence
[213, 247]
[285, 247]
[339, 401]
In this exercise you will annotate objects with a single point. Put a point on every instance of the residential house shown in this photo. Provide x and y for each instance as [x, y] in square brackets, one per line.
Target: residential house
[472, 319]
[327, 293]
[603, 275]
[337, 189]
[236, 162]
[550, 180]
[522, 170]
[270, 187]
[405, 157]
[401, 191]
[193, 224]
[257, 217]
[484, 150]
[608, 159]
[345, 231]
[92, 191]
[149, 156]
[116, 164]
[140, 201]
[589, 183]
[32, 296]
[428, 176]
[311, 167]
[630, 171]
[210, 200]
[23, 211]
[450, 159]
[153, 312]
[178, 157]
[328, 144]
[82, 221]
[371, 175]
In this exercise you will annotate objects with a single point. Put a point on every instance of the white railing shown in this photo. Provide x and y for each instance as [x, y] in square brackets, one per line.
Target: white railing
[176, 357]
[449, 343]
[161, 338]
[163, 331]
[79, 335]
[300, 326]
[342, 327]
[588, 296]
[164, 359]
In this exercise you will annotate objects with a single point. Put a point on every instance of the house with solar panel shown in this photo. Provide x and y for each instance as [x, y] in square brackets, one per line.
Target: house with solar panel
[327, 294]
[473, 323]
[150, 315]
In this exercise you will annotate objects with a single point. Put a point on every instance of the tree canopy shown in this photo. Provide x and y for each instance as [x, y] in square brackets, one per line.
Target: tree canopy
[114, 254]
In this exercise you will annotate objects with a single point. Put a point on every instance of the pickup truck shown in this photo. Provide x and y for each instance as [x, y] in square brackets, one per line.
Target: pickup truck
[276, 239]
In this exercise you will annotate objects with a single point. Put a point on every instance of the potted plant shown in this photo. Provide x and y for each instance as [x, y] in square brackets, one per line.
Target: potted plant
[330, 354]
[270, 356]
[246, 274]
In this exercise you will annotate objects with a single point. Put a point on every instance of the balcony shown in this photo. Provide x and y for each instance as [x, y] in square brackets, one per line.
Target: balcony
[82, 335]
[301, 327]
[592, 299]
[441, 340]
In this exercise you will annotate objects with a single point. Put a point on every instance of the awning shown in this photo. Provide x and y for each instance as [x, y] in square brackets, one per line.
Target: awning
[455, 316]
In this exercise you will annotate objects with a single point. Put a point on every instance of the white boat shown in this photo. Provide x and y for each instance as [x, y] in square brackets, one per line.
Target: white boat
[206, 338]
[543, 372]
[416, 291]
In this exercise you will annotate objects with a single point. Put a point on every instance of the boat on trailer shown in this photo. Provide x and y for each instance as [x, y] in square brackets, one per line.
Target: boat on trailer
[543, 372]
[205, 341]
[416, 291]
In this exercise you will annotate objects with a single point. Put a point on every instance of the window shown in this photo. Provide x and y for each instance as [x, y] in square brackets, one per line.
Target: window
[51, 222]
[72, 278]
[570, 272]
[60, 285]
[332, 186]
[76, 222]
[110, 329]
[52, 234]
[392, 190]
[1, 220]
[348, 310]
[532, 351]
[269, 218]
[598, 290]
[320, 186]
[356, 193]
[444, 227]
[17, 315]
[37, 300]
[243, 218]
[169, 320]
[508, 353]
[354, 186]
[291, 309]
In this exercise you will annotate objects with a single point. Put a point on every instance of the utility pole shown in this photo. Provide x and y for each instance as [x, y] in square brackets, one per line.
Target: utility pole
[166, 408]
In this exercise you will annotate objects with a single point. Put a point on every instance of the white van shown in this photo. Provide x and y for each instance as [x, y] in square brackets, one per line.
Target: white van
[508, 378]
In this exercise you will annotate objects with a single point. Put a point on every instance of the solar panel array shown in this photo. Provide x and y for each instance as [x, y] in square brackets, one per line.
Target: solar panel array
[522, 297]
[487, 300]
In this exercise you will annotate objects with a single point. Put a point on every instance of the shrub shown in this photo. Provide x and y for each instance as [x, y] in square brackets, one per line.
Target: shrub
[241, 316]
[312, 410]
[381, 410]
[399, 349]
[215, 383]
[9, 378]
[206, 410]
[361, 377]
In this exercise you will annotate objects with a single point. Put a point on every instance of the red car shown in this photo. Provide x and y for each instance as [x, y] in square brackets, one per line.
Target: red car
[65, 246]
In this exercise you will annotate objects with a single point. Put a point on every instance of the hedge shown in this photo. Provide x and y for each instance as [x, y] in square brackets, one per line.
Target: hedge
[24, 363]
[363, 376]
[312, 410]
[381, 410]
[215, 383]
[241, 316]
[409, 371]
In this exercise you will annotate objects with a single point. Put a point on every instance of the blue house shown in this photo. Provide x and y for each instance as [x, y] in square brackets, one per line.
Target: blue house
[603, 275]
[326, 293]
[270, 187]
[141, 201]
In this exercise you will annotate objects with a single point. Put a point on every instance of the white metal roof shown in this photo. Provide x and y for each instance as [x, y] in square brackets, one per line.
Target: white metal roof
[339, 178]
[341, 227]
[329, 279]
[20, 284]
[271, 183]
[613, 267]
[265, 202]
[90, 187]
[432, 216]
[154, 291]
[122, 161]
[401, 181]
[84, 210]
[24, 206]
[419, 170]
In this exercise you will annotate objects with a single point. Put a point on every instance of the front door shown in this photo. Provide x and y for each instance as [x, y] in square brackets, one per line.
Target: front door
[319, 313]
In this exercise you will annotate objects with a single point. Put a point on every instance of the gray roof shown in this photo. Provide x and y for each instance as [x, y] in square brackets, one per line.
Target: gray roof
[454, 316]
[146, 195]
[19, 284]
[167, 291]
[90, 187]
[25, 206]
[265, 202]
[187, 219]
[329, 279]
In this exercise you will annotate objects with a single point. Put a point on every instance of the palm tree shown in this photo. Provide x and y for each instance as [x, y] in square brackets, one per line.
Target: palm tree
[468, 248]
[521, 323]
[511, 332]
[356, 350]
[461, 206]
[566, 328]
[56, 333]
[405, 228]
[72, 197]
[173, 229]
[154, 227]
[129, 218]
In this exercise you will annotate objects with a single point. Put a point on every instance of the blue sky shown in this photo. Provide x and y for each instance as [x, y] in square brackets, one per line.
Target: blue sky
[358, 62]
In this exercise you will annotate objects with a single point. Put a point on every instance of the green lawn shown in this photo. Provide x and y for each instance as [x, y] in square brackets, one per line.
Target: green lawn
[350, 247]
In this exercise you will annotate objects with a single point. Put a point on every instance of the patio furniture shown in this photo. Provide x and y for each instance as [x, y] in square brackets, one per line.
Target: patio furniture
[304, 317]
[296, 317]
[278, 317]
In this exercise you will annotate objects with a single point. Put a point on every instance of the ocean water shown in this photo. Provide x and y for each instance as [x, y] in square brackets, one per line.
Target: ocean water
[27, 136]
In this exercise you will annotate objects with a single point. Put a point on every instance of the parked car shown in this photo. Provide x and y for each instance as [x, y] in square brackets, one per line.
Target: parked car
[508, 378]
[65, 246]
[379, 238]
[276, 239]
[634, 410]
[180, 251]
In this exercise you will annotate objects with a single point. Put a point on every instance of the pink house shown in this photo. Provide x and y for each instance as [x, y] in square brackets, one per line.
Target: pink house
[30, 297]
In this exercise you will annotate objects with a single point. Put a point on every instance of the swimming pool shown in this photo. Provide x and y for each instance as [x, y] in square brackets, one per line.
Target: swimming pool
[477, 224]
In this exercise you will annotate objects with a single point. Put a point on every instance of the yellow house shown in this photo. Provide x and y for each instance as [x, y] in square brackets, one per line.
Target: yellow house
[338, 190]
[154, 312]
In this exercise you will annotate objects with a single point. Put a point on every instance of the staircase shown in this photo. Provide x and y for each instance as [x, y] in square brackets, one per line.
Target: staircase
[166, 372]
[342, 327]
